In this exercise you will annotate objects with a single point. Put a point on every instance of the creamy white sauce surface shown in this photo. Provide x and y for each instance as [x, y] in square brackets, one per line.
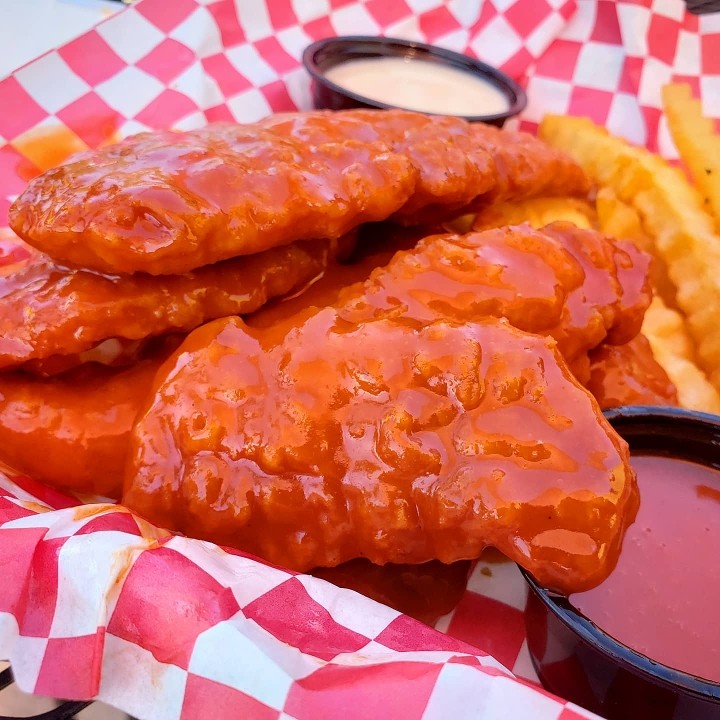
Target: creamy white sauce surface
[419, 85]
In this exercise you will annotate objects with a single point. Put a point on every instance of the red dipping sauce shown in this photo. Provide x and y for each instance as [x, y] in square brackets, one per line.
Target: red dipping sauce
[663, 598]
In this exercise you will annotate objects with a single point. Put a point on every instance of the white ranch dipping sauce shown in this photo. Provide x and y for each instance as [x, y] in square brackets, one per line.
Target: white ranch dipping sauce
[419, 85]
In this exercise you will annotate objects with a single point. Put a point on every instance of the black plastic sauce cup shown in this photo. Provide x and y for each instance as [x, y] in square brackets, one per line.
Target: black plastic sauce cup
[322, 55]
[573, 657]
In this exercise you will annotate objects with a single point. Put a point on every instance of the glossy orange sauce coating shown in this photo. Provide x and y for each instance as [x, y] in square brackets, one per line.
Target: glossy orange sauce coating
[558, 281]
[168, 202]
[629, 375]
[453, 167]
[574, 285]
[528, 167]
[113, 352]
[72, 431]
[459, 165]
[48, 310]
[383, 440]
[376, 245]
[517, 273]
[611, 301]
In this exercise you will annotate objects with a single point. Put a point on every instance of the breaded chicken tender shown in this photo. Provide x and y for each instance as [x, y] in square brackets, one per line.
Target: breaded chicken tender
[278, 415]
[47, 310]
[529, 167]
[574, 285]
[385, 440]
[629, 374]
[453, 167]
[167, 202]
[72, 431]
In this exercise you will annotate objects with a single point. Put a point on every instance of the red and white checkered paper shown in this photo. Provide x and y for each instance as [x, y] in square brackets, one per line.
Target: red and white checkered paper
[97, 603]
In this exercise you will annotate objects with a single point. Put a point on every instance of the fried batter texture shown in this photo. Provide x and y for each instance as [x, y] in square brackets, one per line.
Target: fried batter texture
[453, 167]
[72, 431]
[383, 440]
[629, 375]
[528, 167]
[574, 285]
[47, 310]
[167, 202]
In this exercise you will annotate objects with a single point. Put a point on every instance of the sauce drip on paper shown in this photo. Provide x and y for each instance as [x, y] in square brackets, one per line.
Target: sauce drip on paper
[45, 148]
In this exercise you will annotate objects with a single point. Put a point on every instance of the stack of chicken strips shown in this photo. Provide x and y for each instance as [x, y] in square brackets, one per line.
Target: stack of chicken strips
[431, 409]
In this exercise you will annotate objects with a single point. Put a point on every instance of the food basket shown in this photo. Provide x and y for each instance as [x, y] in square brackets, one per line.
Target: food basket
[98, 604]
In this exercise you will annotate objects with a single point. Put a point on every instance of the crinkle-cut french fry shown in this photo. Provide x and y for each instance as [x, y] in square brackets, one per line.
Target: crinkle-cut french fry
[696, 141]
[671, 211]
[537, 212]
[619, 219]
[673, 349]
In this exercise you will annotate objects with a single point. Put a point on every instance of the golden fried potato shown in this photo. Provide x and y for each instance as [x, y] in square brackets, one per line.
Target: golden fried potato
[537, 212]
[671, 211]
[621, 220]
[673, 349]
[696, 141]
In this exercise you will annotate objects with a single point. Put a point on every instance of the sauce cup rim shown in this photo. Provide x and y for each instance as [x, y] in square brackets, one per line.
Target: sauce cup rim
[397, 47]
[590, 633]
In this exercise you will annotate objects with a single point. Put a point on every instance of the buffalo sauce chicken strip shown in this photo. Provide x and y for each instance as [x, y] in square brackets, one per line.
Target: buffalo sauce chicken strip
[453, 168]
[167, 202]
[385, 440]
[72, 431]
[47, 310]
[517, 273]
[528, 167]
[574, 285]
[460, 165]
[610, 303]
[629, 375]
[376, 246]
